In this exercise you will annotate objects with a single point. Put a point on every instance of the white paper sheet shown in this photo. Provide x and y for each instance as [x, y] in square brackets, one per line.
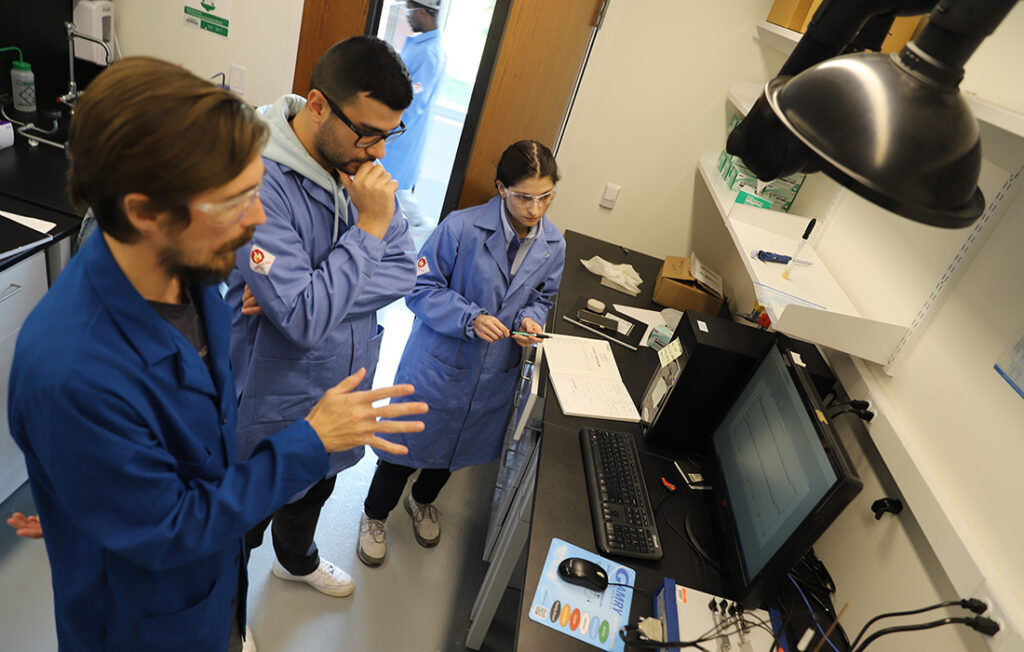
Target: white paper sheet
[586, 379]
[33, 223]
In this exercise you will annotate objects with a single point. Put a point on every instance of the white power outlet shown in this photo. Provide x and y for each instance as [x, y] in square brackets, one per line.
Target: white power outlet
[236, 79]
[1008, 638]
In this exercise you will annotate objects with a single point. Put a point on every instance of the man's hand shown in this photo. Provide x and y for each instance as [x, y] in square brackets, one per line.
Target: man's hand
[26, 526]
[372, 191]
[345, 419]
[249, 304]
[528, 326]
[489, 328]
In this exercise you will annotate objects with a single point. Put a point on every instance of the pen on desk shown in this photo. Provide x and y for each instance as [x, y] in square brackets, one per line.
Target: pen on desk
[538, 335]
[799, 247]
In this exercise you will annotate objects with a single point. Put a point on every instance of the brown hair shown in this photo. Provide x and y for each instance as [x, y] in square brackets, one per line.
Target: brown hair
[151, 127]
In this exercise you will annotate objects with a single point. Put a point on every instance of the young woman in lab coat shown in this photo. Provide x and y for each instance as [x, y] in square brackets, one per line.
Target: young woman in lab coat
[484, 272]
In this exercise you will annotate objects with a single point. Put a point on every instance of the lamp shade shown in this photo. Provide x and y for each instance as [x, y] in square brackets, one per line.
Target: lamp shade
[891, 135]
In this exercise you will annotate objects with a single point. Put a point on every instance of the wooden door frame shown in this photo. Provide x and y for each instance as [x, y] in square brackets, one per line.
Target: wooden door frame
[481, 87]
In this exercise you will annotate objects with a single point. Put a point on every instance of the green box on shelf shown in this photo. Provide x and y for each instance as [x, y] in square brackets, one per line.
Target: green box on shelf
[745, 197]
[740, 174]
[724, 161]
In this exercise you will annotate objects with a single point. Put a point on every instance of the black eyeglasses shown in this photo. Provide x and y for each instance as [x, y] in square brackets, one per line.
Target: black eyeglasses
[363, 139]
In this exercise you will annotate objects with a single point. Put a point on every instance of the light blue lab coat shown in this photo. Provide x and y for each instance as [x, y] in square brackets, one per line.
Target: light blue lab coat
[320, 285]
[467, 382]
[425, 59]
[129, 442]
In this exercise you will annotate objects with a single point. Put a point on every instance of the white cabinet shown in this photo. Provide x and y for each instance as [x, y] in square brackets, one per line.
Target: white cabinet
[21, 287]
[863, 295]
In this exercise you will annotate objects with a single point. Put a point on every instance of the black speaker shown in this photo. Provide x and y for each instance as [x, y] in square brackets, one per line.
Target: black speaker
[686, 398]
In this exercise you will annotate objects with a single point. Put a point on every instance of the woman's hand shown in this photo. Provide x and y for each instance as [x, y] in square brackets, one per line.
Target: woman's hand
[489, 328]
[528, 326]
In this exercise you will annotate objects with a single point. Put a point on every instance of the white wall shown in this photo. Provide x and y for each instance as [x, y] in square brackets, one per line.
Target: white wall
[263, 37]
[650, 101]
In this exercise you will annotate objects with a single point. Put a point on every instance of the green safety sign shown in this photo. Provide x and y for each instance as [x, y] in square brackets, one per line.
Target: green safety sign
[204, 18]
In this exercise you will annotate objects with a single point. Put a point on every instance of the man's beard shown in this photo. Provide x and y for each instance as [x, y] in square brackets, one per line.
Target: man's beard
[171, 260]
[329, 151]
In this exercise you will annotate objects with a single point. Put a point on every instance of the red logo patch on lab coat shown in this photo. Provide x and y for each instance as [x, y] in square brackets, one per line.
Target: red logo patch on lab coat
[260, 260]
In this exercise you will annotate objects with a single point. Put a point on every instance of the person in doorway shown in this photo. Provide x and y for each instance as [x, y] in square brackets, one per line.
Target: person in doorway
[121, 395]
[426, 60]
[334, 249]
[484, 271]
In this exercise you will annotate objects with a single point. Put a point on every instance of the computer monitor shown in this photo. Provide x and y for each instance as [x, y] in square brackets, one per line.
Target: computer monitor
[781, 476]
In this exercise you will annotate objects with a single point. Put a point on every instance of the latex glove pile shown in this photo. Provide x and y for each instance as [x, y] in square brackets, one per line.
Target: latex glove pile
[620, 277]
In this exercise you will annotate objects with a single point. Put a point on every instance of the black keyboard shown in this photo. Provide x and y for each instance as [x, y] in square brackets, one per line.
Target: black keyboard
[619, 506]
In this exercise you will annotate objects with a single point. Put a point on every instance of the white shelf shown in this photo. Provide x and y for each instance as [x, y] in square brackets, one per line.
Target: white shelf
[810, 305]
[784, 40]
[780, 38]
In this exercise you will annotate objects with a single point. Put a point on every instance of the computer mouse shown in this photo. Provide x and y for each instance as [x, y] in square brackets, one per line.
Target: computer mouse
[583, 573]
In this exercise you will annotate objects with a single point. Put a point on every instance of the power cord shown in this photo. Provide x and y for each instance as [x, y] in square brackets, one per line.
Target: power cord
[980, 624]
[632, 588]
[814, 617]
[856, 406]
[972, 604]
[729, 626]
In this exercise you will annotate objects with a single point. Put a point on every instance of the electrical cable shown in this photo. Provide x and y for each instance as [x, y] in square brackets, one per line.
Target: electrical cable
[973, 604]
[720, 628]
[633, 588]
[820, 589]
[691, 538]
[977, 623]
[814, 616]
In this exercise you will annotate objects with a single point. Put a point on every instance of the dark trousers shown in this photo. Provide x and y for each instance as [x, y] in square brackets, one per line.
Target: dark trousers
[389, 483]
[293, 530]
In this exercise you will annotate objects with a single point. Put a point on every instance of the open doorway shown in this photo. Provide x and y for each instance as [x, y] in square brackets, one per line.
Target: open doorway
[432, 34]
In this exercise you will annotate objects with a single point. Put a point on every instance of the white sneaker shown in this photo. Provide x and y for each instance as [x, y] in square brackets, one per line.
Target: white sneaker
[373, 541]
[327, 578]
[425, 522]
[249, 644]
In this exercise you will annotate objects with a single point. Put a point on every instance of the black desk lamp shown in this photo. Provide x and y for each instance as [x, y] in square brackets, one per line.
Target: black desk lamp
[893, 128]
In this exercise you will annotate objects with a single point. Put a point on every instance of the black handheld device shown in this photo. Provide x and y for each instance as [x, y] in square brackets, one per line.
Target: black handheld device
[593, 319]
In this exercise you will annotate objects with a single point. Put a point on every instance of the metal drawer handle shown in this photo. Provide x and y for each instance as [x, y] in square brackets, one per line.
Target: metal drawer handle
[11, 290]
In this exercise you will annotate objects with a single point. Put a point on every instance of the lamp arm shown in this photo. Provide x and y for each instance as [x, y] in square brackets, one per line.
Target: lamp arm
[760, 140]
[954, 31]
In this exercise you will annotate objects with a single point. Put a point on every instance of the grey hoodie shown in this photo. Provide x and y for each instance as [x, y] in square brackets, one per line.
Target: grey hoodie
[284, 148]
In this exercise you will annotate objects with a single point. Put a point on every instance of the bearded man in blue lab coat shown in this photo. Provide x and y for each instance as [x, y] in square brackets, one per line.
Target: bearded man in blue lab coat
[334, 249]
[121, 394]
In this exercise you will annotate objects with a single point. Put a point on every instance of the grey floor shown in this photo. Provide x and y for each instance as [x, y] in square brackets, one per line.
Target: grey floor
[419, 600]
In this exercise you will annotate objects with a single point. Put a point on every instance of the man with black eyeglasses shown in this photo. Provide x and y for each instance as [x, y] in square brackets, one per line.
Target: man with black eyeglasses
[333, 250]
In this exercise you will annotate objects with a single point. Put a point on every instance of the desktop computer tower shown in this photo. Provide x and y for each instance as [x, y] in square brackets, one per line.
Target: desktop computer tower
[686, 398]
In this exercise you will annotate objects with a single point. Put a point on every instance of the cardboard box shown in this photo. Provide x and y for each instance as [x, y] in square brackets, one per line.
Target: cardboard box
[810, 14]
[790, 14]
[678, 287]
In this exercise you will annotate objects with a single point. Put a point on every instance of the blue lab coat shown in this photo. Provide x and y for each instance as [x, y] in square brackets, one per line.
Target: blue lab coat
[467, 382]
[130, 445]
[319, 295]
[425, 59]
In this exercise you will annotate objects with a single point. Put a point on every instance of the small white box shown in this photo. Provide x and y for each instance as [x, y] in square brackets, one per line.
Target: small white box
[6, 134]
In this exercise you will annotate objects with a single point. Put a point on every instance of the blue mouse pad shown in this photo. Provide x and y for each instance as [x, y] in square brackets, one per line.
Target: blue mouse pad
[583, 614]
